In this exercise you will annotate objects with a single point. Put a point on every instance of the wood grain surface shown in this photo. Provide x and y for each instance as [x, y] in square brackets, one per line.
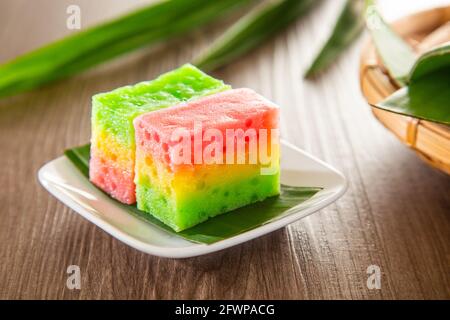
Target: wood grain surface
[395, 214]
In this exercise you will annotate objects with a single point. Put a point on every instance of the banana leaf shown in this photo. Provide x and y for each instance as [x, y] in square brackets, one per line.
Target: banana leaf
[252, 30]
[349, 25]
[220, 227]
[78, 52]
[427, 95]
[396, 54]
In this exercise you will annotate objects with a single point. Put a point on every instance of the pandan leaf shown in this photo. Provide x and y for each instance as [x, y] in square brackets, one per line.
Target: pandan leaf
[80, 156]
[348, 27]
[396, 54]
[433, 60]
[85, 49]
[220, 227]
[427, 95]
[252, 30]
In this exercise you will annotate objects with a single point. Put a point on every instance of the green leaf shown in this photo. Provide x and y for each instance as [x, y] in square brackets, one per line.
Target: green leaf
[79, 156]
[252, 30]
[349, 25]
[431, 61]
[85, 49]
[220, 227]
[396, 54]
[427, 96]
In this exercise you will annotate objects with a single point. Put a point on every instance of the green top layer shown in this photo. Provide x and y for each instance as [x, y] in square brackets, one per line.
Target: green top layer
[115, 111]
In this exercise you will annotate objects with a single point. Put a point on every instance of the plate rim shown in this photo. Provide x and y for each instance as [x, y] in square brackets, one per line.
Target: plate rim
[196, 249]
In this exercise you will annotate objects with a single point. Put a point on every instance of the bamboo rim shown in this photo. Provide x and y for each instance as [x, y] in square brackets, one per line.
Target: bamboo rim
[431, 141]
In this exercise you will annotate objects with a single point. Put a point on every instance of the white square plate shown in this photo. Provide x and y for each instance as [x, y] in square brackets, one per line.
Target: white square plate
[63, 180]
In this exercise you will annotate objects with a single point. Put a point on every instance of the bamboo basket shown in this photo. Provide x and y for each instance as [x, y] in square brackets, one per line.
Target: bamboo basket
[431, 141]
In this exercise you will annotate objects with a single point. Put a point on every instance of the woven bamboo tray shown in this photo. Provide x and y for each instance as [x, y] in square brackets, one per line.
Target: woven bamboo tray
[431, 141]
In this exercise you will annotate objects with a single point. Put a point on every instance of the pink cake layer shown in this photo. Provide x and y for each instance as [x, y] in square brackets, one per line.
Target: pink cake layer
[232, 109]
[112, 179]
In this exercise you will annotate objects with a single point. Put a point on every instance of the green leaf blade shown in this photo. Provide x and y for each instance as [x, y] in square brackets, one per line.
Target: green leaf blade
[433, 60]
[78, 52]
[427, 95]
[426, 98]
[396, 54]
[348, 27]
[253, 29]
[222, 226]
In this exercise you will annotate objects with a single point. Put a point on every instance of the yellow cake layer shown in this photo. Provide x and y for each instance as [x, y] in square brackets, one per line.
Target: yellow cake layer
[105, 145]
[195, 179]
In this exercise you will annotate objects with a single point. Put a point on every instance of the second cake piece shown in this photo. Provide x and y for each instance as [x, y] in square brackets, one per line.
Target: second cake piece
[112, 164]
[206, 157]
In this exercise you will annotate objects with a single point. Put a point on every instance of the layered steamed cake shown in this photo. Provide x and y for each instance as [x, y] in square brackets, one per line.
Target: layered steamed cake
[198, 159]
[113, 138]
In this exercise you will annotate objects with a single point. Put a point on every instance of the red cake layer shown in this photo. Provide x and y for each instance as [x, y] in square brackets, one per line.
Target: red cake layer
[237, 109]
[115, 181]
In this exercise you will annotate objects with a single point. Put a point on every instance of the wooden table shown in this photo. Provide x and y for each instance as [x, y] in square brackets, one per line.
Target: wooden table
[395, 214]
